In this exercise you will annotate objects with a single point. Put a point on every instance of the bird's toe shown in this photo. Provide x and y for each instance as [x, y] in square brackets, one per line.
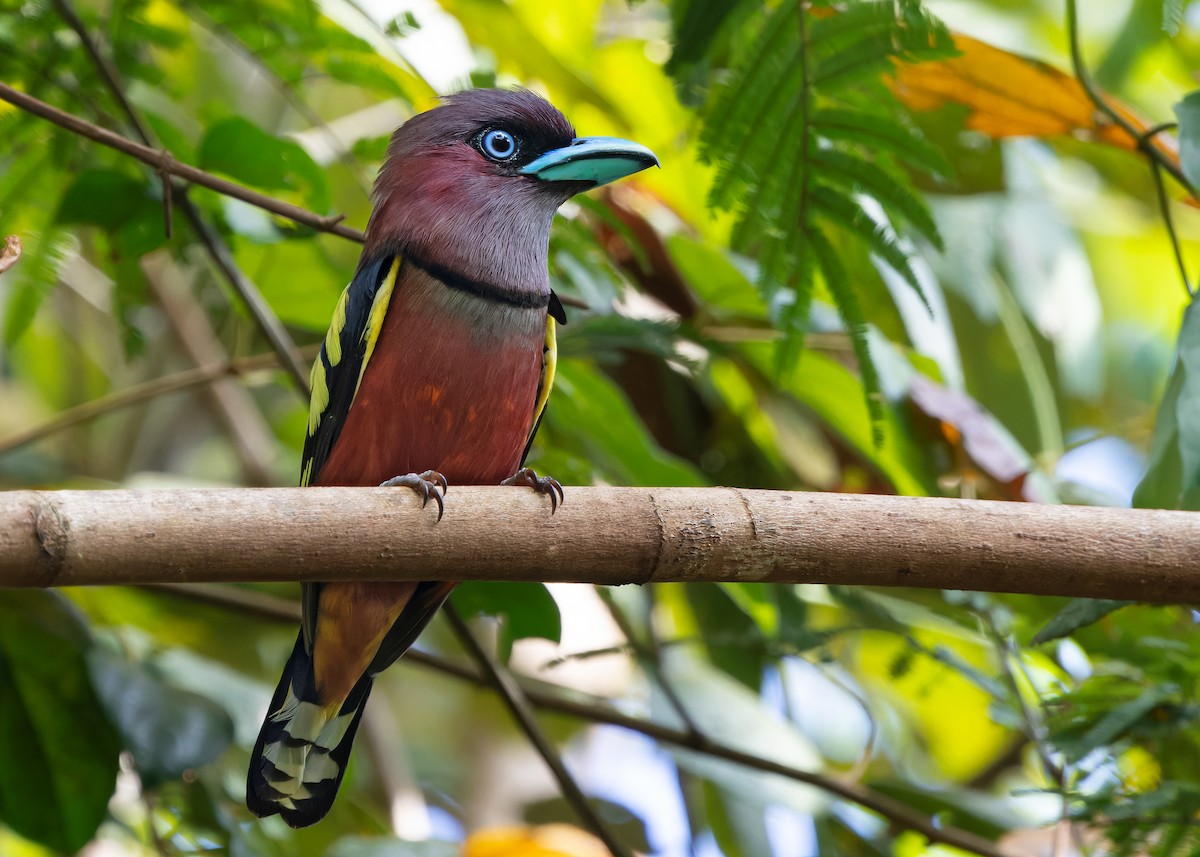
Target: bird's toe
[429, 485]
[526, 477]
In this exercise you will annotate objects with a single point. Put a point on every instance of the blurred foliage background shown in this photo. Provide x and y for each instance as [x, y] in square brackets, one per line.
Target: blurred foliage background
[838, 281]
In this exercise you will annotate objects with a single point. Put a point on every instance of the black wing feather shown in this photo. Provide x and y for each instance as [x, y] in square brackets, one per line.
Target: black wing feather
[340, 380]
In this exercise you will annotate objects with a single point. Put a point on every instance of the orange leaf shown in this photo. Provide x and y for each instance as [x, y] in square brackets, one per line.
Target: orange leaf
[548, 840]
[1013, 96]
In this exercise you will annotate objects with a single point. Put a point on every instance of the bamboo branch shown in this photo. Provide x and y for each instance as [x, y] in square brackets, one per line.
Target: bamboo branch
[604, 535]
[895, 811]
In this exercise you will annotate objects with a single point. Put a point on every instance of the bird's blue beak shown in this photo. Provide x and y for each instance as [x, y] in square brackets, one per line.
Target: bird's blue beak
[599, 160]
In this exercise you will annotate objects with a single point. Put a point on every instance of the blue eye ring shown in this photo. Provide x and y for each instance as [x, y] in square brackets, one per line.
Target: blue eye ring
[498, 145]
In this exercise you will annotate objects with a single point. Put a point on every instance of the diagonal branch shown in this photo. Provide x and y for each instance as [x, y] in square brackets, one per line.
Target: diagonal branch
[144, 392]
[518, 704]
[595, 711]
[268, 323]
[160, 160]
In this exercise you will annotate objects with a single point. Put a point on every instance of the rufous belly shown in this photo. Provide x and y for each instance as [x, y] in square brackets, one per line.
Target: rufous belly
[441, 394]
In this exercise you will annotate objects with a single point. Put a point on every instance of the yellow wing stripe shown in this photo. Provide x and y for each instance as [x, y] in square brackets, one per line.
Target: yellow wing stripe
[549, 364]
[333, 339]
[333, 351]
[319, 400]
[379, 308]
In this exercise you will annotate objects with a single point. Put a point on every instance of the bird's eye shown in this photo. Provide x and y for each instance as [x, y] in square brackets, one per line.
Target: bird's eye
[498, 145]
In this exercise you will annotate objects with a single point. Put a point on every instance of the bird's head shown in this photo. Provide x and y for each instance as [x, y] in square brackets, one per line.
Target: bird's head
[473, 184]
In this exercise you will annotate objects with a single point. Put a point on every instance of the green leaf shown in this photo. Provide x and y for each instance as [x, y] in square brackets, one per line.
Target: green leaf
[1172, 16]
[1116, 722]
[372, 846]
[527, 610]
[1078, 613]
[58, 751]
[105, 198]
[624, 822]
[1188, 113]
[697, 23]
[239, 148]
[732, 638]
[167, 730]
[502, 26]
[878, 131]
[890, 192]
[34, 278]
[757, 600]
[370, 72]
[739, 824]
[846, 212]
[856, 324]
[1172, 479]
[976, 811]
[625, 453]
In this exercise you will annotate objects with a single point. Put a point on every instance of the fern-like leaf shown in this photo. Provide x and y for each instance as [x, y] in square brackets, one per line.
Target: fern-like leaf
[875, 181]
[877, 132]
[838, 281]
[848, 214]
[796, 147]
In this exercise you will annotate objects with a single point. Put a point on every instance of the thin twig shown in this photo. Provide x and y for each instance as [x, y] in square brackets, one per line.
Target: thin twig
[154, 158]
[165, 165]
[143, 392]
[1164, 205]
[288, 90]
[649, 655]
[517, 702]
[898, 813]
[270, 325]
[1035, 730]
[10, 253]
[1143, 139]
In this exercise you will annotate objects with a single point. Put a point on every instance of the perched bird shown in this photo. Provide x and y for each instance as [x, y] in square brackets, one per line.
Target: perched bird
[436, 369]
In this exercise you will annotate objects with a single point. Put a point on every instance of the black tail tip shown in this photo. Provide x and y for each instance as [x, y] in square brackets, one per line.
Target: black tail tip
[264, 801]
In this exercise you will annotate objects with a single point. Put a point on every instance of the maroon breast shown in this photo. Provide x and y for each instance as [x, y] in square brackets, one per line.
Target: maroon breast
[439, 394]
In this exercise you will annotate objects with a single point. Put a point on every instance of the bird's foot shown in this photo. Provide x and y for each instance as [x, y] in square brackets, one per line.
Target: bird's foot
[429, 484]
[526, 478]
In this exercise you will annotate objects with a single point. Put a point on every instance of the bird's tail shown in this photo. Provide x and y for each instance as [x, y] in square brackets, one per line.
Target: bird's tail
[301, 752]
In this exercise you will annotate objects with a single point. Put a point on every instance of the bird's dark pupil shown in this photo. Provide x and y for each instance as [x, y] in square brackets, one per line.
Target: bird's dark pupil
[499, 144]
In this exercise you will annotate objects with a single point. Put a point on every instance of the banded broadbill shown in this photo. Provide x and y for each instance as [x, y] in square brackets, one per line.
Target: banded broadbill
[436, 368]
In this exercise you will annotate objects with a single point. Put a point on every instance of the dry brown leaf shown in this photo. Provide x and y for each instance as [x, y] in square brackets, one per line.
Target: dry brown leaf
[1014, 96]
[10, 252]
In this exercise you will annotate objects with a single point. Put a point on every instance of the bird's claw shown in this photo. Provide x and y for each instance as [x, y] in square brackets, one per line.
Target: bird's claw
[429, 484]
[548, 485]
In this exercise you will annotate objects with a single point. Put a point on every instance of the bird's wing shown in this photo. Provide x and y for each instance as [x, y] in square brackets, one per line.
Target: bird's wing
[555, 316]
[336, 374]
